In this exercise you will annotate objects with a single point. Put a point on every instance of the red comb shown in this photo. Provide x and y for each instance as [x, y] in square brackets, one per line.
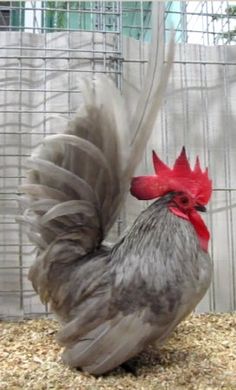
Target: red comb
[180, 178]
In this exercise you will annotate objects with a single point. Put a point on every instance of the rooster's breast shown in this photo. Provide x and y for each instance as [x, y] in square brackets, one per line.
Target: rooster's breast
[160, 264]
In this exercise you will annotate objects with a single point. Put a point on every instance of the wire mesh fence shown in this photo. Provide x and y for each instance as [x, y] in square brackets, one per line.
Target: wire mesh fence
[46, 46]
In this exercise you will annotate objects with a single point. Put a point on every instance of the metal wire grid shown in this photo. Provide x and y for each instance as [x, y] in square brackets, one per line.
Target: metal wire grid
[207, 22]
[51, 16]
[224, 187]
[20, 59]
[107, 19]
[203, 22]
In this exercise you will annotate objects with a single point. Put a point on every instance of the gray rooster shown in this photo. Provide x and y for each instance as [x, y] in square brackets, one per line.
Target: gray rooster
[112, 302]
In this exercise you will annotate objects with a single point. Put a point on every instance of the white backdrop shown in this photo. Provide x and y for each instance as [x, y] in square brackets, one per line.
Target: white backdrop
[198, 112]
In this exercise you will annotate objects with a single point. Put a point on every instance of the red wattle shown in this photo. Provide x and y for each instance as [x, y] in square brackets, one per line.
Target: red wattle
[198, 224]
[200, 228]
[179, 213]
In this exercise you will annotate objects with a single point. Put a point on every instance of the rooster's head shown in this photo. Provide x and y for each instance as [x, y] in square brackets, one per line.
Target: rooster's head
[191, 188]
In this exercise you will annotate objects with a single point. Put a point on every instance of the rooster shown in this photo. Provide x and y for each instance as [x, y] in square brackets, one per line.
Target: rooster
[113, 301]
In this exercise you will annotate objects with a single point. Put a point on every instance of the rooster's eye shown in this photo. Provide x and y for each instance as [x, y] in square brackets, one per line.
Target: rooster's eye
[184, 200]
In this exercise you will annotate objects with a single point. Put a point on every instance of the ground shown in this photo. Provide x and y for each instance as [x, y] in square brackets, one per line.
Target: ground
[200, 355]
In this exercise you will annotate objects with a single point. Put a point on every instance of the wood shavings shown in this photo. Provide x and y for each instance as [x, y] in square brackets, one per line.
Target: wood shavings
[200, 355]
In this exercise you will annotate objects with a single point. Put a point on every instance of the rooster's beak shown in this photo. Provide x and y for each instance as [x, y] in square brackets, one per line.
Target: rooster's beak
[201, 208]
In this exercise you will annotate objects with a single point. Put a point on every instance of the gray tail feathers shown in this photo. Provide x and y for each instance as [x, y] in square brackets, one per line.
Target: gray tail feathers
[78, 180]
[75, 178]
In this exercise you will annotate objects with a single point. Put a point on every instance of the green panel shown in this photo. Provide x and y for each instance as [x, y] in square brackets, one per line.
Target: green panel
[53, 18]
[80, 20]
[59, 18]
[175, 20]
[17, 15]
[136, 18]
[81, 15]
